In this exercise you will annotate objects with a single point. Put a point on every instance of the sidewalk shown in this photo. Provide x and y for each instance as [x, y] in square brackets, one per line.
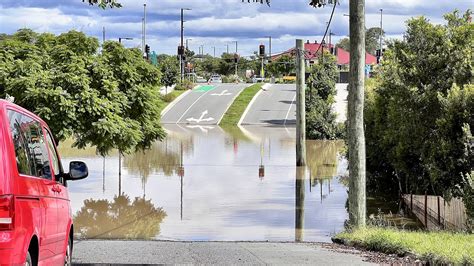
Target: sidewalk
[164, 252]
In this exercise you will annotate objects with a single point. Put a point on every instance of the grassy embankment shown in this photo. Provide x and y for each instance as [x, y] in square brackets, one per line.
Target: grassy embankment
[439, 247]
[236, 110]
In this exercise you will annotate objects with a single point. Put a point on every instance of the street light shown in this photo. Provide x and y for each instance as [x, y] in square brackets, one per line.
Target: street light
[236, 47]
[181, 63]
[124, 38]
[269, 47]
[187, 43]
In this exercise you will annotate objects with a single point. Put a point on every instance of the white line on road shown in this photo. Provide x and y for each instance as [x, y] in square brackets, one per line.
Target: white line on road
[223, 93]
[194, 104]
[288, 113]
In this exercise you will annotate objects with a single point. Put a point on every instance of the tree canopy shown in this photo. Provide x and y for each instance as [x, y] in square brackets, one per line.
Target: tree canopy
[107, 100]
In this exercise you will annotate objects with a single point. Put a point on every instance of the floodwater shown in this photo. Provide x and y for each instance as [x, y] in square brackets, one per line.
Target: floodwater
[205, 184]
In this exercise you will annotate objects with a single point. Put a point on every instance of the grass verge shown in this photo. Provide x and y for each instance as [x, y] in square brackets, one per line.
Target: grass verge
[436, 247]
[235, 111]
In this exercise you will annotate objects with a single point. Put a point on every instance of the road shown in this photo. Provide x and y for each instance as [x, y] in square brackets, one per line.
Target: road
[275, 106]
[204, 253]
[205, 105]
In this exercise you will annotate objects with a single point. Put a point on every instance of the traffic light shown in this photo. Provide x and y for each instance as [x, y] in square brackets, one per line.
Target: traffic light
[180, 50]
[236, 58]
[262, 50]
[147, 51]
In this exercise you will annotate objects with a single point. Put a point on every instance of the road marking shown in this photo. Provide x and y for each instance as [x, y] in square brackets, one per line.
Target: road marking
[223, 93]
[191, 106]
[288, 113]
[201, 119]
[205, 88]
[204, 129]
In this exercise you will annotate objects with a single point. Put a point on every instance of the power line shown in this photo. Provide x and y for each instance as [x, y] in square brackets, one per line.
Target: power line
[327, 27]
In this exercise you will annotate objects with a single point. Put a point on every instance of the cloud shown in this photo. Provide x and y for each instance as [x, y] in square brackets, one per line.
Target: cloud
[213, 22]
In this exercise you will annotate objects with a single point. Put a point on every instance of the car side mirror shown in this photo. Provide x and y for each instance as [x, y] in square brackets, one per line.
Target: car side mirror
[77, 171]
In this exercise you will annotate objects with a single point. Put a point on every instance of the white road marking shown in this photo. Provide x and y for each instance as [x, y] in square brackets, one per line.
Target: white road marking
[289, 109]
[223, 93]
[204, 129]
[201, 119]
[192, 105]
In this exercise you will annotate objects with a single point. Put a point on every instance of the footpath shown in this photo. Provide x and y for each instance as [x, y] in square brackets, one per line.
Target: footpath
[167, 252]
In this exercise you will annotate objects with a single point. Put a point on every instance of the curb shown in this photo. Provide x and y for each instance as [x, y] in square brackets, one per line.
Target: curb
[173, 103]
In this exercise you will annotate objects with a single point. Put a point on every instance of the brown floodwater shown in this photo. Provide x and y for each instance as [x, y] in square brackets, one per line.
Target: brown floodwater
[206, 184]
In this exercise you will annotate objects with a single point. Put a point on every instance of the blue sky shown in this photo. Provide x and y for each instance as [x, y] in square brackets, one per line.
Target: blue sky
[214, 23]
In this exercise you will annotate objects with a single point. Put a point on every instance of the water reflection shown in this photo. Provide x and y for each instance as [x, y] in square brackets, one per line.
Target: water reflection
[118, 219]
[206, 182]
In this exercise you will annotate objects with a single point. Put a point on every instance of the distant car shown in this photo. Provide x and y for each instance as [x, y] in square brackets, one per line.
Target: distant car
[215, 79]
[291, 77]
[256, 79]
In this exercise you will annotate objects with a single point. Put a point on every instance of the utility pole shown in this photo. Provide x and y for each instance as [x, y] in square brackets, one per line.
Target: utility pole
[355, 129]
[143, 34]
[236, 47]
[103, 35]
[187, 43]
[381, 30]
[144, 25]
[300, 105]
[269, 47]
[227, 48]
[213, 47]
[181, 63]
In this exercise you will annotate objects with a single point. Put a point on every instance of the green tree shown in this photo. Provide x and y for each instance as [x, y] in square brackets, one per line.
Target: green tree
[284, 65]
[169, 66]
[108, 100]
[104, 3]
[344, 44]
[419, 118]
[321, 89]
[372, 41]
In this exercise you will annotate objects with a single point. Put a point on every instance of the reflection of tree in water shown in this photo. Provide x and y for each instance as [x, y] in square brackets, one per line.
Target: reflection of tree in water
[163, 157]
[322, 158]
[118, 219]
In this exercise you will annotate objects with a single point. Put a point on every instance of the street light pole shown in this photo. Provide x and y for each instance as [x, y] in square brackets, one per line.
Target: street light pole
[181, 63]
[213, 47]
[236, 47]
[381, 29]
[269, 46]
[227, 48]
[144, 25]
[124, 38]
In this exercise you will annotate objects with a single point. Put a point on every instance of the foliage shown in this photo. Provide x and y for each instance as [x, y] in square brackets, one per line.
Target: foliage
[118, 219]
[419, 117]
[104, 3]
[372, 40]
[169, 67]
[185, 85]
[108, 100]
[435, 247]
[320, 92]
[236, 110]
[283, 66]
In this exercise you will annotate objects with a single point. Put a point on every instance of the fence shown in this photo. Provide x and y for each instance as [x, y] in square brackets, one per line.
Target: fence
[436, 213]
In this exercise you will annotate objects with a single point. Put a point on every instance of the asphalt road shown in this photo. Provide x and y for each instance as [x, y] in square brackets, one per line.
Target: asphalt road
[205, 105]
[275, 106]
[204, 253]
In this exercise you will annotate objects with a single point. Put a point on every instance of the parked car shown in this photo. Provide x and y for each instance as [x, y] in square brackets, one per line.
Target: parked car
[256, 79]
[36, 225]
[215, 79]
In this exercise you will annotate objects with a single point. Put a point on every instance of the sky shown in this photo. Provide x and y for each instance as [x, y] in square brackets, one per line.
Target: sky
[215, 23]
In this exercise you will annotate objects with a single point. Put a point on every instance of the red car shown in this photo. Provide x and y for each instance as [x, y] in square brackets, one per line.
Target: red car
[35, 214]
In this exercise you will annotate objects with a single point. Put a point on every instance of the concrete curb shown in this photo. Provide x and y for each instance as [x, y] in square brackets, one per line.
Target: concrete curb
[264, 88]
[173, 103]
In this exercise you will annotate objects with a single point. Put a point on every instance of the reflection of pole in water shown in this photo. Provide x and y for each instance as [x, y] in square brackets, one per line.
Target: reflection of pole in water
[299, 203]
[329, 187]
[120, 173]
[261, 168]
[321, 188]
[181, 174]
[103, 174]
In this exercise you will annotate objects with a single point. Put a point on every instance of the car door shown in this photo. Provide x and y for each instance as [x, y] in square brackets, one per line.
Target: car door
[31, 148]
[62, 197]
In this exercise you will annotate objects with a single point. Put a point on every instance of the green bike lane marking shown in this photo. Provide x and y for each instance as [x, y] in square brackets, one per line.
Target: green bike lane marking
[204, 88]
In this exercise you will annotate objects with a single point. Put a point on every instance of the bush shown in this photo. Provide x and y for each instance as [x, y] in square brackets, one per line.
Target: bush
[185, 85]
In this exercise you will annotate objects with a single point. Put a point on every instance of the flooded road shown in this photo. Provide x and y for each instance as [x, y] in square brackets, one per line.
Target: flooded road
[202, 183]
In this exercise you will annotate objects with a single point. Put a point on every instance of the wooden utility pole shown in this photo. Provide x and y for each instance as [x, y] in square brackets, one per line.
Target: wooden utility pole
[300, 105]
[355, 129]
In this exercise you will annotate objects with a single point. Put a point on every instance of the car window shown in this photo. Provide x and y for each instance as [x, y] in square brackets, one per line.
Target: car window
[30, 147]
[55, 163]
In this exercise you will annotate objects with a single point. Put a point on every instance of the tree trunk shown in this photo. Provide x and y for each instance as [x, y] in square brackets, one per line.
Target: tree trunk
[356, 138]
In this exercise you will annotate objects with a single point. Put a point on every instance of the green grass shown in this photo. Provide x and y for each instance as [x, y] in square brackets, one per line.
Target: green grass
[436, 247]
[232, 116]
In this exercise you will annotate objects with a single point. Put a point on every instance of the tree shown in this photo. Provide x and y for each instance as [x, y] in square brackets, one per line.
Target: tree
[284, 65]
[169, 66]
[107, 100]
[104, 3]
[420, 114]
[344, 44]
[372, 38]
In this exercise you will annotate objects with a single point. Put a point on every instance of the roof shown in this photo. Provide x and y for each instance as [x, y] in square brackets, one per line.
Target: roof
[343, 56]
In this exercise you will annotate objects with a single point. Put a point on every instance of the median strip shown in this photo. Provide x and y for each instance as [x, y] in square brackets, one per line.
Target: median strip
[237, 109]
